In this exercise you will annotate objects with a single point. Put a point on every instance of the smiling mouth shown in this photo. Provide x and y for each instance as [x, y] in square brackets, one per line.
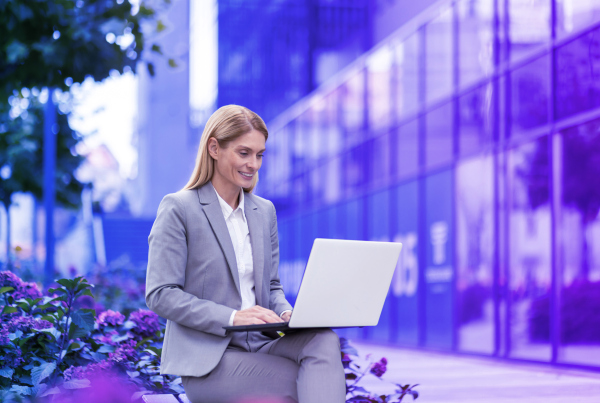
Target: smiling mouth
[245, 175]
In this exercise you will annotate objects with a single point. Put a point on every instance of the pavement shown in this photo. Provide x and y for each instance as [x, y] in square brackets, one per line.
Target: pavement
[451, 378]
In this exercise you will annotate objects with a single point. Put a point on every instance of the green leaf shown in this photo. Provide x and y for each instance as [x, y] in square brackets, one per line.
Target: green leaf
[7, 372]
[172, 63]
[73, 346]
[154, 350]
[77, 332]
[51, 391]
[84, 320]
[9, 309]
[40, 373]
[88, 293]
[160, 26]
[65, 282]
[6, 289]
[76, 384]
[21, 390]
[150, 67]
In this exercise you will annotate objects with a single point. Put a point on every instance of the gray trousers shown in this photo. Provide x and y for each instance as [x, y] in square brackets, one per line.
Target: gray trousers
[302, 367]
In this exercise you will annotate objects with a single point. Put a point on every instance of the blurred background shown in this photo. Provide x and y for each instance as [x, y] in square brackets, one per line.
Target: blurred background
[467, 130]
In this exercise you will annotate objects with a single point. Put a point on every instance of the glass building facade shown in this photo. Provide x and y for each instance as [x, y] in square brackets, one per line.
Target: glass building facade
[472, 136]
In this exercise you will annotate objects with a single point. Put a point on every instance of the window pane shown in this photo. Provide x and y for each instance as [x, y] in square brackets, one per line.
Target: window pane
[438, 141]
[332, 132]
[354, 170]
[475, 120]
[573, 15]
[577, 75]
[529, 255]
[407, 76]
[379, 66]
[529, 25]
[580, 291]
[333, 180]
[438, 56]
[405, 283]
[476, 36]
[530, 89]
[406, 159]
[379, 160]
[474, 253]
[352, 106]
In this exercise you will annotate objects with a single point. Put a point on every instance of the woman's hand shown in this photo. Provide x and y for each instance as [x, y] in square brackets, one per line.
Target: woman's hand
[286, 316]
[257, 315]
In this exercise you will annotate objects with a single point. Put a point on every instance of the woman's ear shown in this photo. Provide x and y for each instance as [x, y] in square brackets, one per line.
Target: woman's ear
[213, 148]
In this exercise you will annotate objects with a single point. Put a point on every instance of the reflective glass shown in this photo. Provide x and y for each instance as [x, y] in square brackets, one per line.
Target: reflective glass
[439, 271]
[332, 133]
[354, 170]
[406, 81]
[438, 140]
[438, 56]
[379, 68]
[476, 39]
[573, 15]
[405, 283]
[580, 288]
[378, 229]
[577, 75]
[529, 250]
[529, 25]
[352, 103]
[475, 253]
[405, 161]
[530, 91]
[475, 120]
[379, 160]
[333, 180]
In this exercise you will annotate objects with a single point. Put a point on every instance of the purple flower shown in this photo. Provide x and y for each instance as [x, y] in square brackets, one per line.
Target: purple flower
[26, 324]
[111, 318]
[379, 368]
[108, 338]
[87, 371]
[146, 322]
[125, 352]
[21, 288]
[4, 335]
[13, 358]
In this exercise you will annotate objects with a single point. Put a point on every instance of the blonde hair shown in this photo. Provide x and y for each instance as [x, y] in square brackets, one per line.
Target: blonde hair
[227, 124]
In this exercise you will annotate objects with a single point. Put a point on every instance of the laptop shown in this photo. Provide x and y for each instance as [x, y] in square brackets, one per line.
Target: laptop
[344, 285]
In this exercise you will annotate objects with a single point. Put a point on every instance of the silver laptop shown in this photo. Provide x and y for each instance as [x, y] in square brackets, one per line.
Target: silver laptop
[344, 285]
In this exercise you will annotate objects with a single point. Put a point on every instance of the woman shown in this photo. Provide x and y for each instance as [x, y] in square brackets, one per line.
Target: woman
[213, 261]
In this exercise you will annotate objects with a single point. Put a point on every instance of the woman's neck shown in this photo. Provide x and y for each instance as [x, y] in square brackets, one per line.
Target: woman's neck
[229, 193]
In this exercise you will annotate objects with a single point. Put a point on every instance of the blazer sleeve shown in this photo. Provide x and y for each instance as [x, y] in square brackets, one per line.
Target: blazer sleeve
[165, 278]
[277, 301]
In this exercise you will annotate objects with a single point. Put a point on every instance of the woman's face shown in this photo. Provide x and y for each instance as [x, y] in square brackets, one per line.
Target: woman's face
[237, 164]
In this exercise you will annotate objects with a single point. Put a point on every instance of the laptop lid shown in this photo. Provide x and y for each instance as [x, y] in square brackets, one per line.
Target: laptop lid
[345, 283]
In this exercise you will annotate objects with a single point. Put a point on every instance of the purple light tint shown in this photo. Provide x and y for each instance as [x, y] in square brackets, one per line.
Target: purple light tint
[579, 305]
[529, 250]
[439, 48]
[529, 25]
[474, 253]
[530, 90]
[578, 75]
[476, 36]
[438, 140]
[475, 120]
[406, 83]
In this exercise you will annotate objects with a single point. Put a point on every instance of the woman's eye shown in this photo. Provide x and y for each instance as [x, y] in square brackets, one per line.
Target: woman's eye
[243, 153]
[259, 155]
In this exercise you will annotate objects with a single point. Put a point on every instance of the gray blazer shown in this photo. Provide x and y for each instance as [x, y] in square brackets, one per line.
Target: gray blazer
[192, 277]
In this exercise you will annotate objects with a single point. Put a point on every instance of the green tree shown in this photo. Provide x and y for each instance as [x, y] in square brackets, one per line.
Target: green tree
[53, 44]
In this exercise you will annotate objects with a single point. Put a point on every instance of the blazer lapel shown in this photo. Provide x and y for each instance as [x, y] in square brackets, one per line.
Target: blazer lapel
[255, 226]
[210, 204]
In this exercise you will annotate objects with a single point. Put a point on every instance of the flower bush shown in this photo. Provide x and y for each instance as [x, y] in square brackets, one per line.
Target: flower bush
[49, 346]
[355, 373]
[53, 348]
